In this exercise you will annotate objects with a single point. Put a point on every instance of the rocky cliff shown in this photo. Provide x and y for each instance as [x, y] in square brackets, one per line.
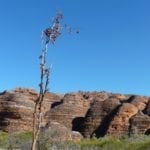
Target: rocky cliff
[92, 114]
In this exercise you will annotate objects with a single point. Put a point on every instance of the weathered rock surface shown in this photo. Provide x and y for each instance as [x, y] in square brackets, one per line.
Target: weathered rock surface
[16, 109]
[98, 117]
[72, 106]
[76, 136]
[120, 121]
[89, 113]
[140, 124]
[140, 102]
[113, 118]
[55, 131]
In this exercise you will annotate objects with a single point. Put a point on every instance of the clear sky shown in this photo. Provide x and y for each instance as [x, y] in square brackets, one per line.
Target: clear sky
[111, 53]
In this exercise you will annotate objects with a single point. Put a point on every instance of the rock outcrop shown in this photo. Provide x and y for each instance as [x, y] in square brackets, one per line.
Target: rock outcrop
[16, 109]
[92, 114]
[113, 116]
[72, 107]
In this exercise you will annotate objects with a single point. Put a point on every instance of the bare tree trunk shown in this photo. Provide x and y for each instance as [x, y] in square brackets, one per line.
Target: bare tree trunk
[50, 36]
[36, 131]
[37, 115]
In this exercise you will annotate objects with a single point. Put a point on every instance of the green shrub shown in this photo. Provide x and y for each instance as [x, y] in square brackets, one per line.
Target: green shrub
[3, 138]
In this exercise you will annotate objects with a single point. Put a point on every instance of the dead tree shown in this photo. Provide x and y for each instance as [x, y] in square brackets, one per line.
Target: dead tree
[49, 35]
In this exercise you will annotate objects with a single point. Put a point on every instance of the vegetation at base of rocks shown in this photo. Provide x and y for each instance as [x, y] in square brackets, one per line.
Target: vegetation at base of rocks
[15, 140]
[3, 138]
[111, 143]
[23, 141]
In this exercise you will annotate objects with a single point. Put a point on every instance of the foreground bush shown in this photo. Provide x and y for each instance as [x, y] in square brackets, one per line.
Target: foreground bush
[23, 141]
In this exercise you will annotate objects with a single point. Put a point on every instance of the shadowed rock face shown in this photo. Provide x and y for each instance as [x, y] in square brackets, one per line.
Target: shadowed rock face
[147, 109]
[90, 113]
[99, 116]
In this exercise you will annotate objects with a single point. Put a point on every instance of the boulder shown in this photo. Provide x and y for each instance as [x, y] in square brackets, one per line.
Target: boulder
[76, 136]
[55, 131]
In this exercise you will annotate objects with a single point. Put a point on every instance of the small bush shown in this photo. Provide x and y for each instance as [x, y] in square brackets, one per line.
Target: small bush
[3, 138]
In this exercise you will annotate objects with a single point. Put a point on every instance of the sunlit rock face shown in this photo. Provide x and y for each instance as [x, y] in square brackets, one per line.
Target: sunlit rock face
[16, 109]
[120, 122]
[92, 114]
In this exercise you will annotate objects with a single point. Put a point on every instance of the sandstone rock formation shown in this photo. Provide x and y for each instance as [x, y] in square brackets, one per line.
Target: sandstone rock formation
[97, 117]
[16, 109]
[72, 106]
[140, 124]
[120, 122]
[89, 113]
[140, 102]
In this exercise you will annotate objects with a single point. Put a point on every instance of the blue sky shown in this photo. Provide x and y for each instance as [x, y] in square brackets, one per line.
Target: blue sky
[111, 53]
